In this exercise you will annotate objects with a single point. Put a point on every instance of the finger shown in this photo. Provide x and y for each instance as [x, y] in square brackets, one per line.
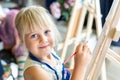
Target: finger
[79, 47]
[86, 43]
[85, 49]
[85, 46]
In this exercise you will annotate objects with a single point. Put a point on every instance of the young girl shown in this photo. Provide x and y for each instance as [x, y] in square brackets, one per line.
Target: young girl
[38, 32]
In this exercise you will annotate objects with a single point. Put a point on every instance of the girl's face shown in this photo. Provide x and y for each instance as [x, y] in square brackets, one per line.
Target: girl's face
[40, 42]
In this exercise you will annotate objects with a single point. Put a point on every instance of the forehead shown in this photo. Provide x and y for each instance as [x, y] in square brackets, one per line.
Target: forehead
[36, 24]
[37, 29]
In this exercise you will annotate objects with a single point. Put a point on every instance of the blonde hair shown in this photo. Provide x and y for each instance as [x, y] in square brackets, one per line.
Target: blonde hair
[33, 18]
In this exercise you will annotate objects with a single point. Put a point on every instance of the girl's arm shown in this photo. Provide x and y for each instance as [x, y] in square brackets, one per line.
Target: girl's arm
[36, 73]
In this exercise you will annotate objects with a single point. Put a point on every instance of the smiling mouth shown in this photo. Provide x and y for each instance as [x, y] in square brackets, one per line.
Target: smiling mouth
[45, 46]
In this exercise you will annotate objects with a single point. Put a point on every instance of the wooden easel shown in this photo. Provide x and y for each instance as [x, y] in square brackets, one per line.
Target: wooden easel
[111, 31]
[76, 22]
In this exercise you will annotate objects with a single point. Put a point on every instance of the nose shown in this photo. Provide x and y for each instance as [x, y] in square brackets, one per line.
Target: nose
[43, 38]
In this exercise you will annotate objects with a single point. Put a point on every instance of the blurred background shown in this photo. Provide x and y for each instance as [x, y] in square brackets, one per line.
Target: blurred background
[12, 62]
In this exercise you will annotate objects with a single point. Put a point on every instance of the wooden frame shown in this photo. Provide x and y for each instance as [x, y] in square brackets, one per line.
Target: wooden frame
[110, 32]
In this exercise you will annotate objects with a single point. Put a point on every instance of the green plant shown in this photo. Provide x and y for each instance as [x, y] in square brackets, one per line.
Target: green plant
[61, 9]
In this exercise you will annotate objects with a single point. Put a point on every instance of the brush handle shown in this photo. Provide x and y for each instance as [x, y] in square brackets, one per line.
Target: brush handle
[69, 58]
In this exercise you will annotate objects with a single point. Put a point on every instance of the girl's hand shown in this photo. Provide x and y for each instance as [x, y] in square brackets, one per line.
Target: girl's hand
[83, 55]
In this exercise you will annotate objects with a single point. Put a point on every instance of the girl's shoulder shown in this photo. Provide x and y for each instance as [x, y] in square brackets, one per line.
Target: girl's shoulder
[29, 63]
[35, 72]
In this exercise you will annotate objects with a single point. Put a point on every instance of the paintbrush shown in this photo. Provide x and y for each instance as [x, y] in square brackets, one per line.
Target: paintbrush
[69, 58]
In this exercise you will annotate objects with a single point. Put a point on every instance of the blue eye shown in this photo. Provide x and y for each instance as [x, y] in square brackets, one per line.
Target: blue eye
[34, 36]
[47, 31]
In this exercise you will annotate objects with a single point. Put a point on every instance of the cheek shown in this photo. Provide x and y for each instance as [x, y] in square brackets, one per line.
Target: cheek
[31, 46]
[52, 40]
[28, 44]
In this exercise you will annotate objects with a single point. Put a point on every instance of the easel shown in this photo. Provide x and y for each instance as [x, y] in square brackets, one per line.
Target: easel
[76, 22]
[111, 31]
